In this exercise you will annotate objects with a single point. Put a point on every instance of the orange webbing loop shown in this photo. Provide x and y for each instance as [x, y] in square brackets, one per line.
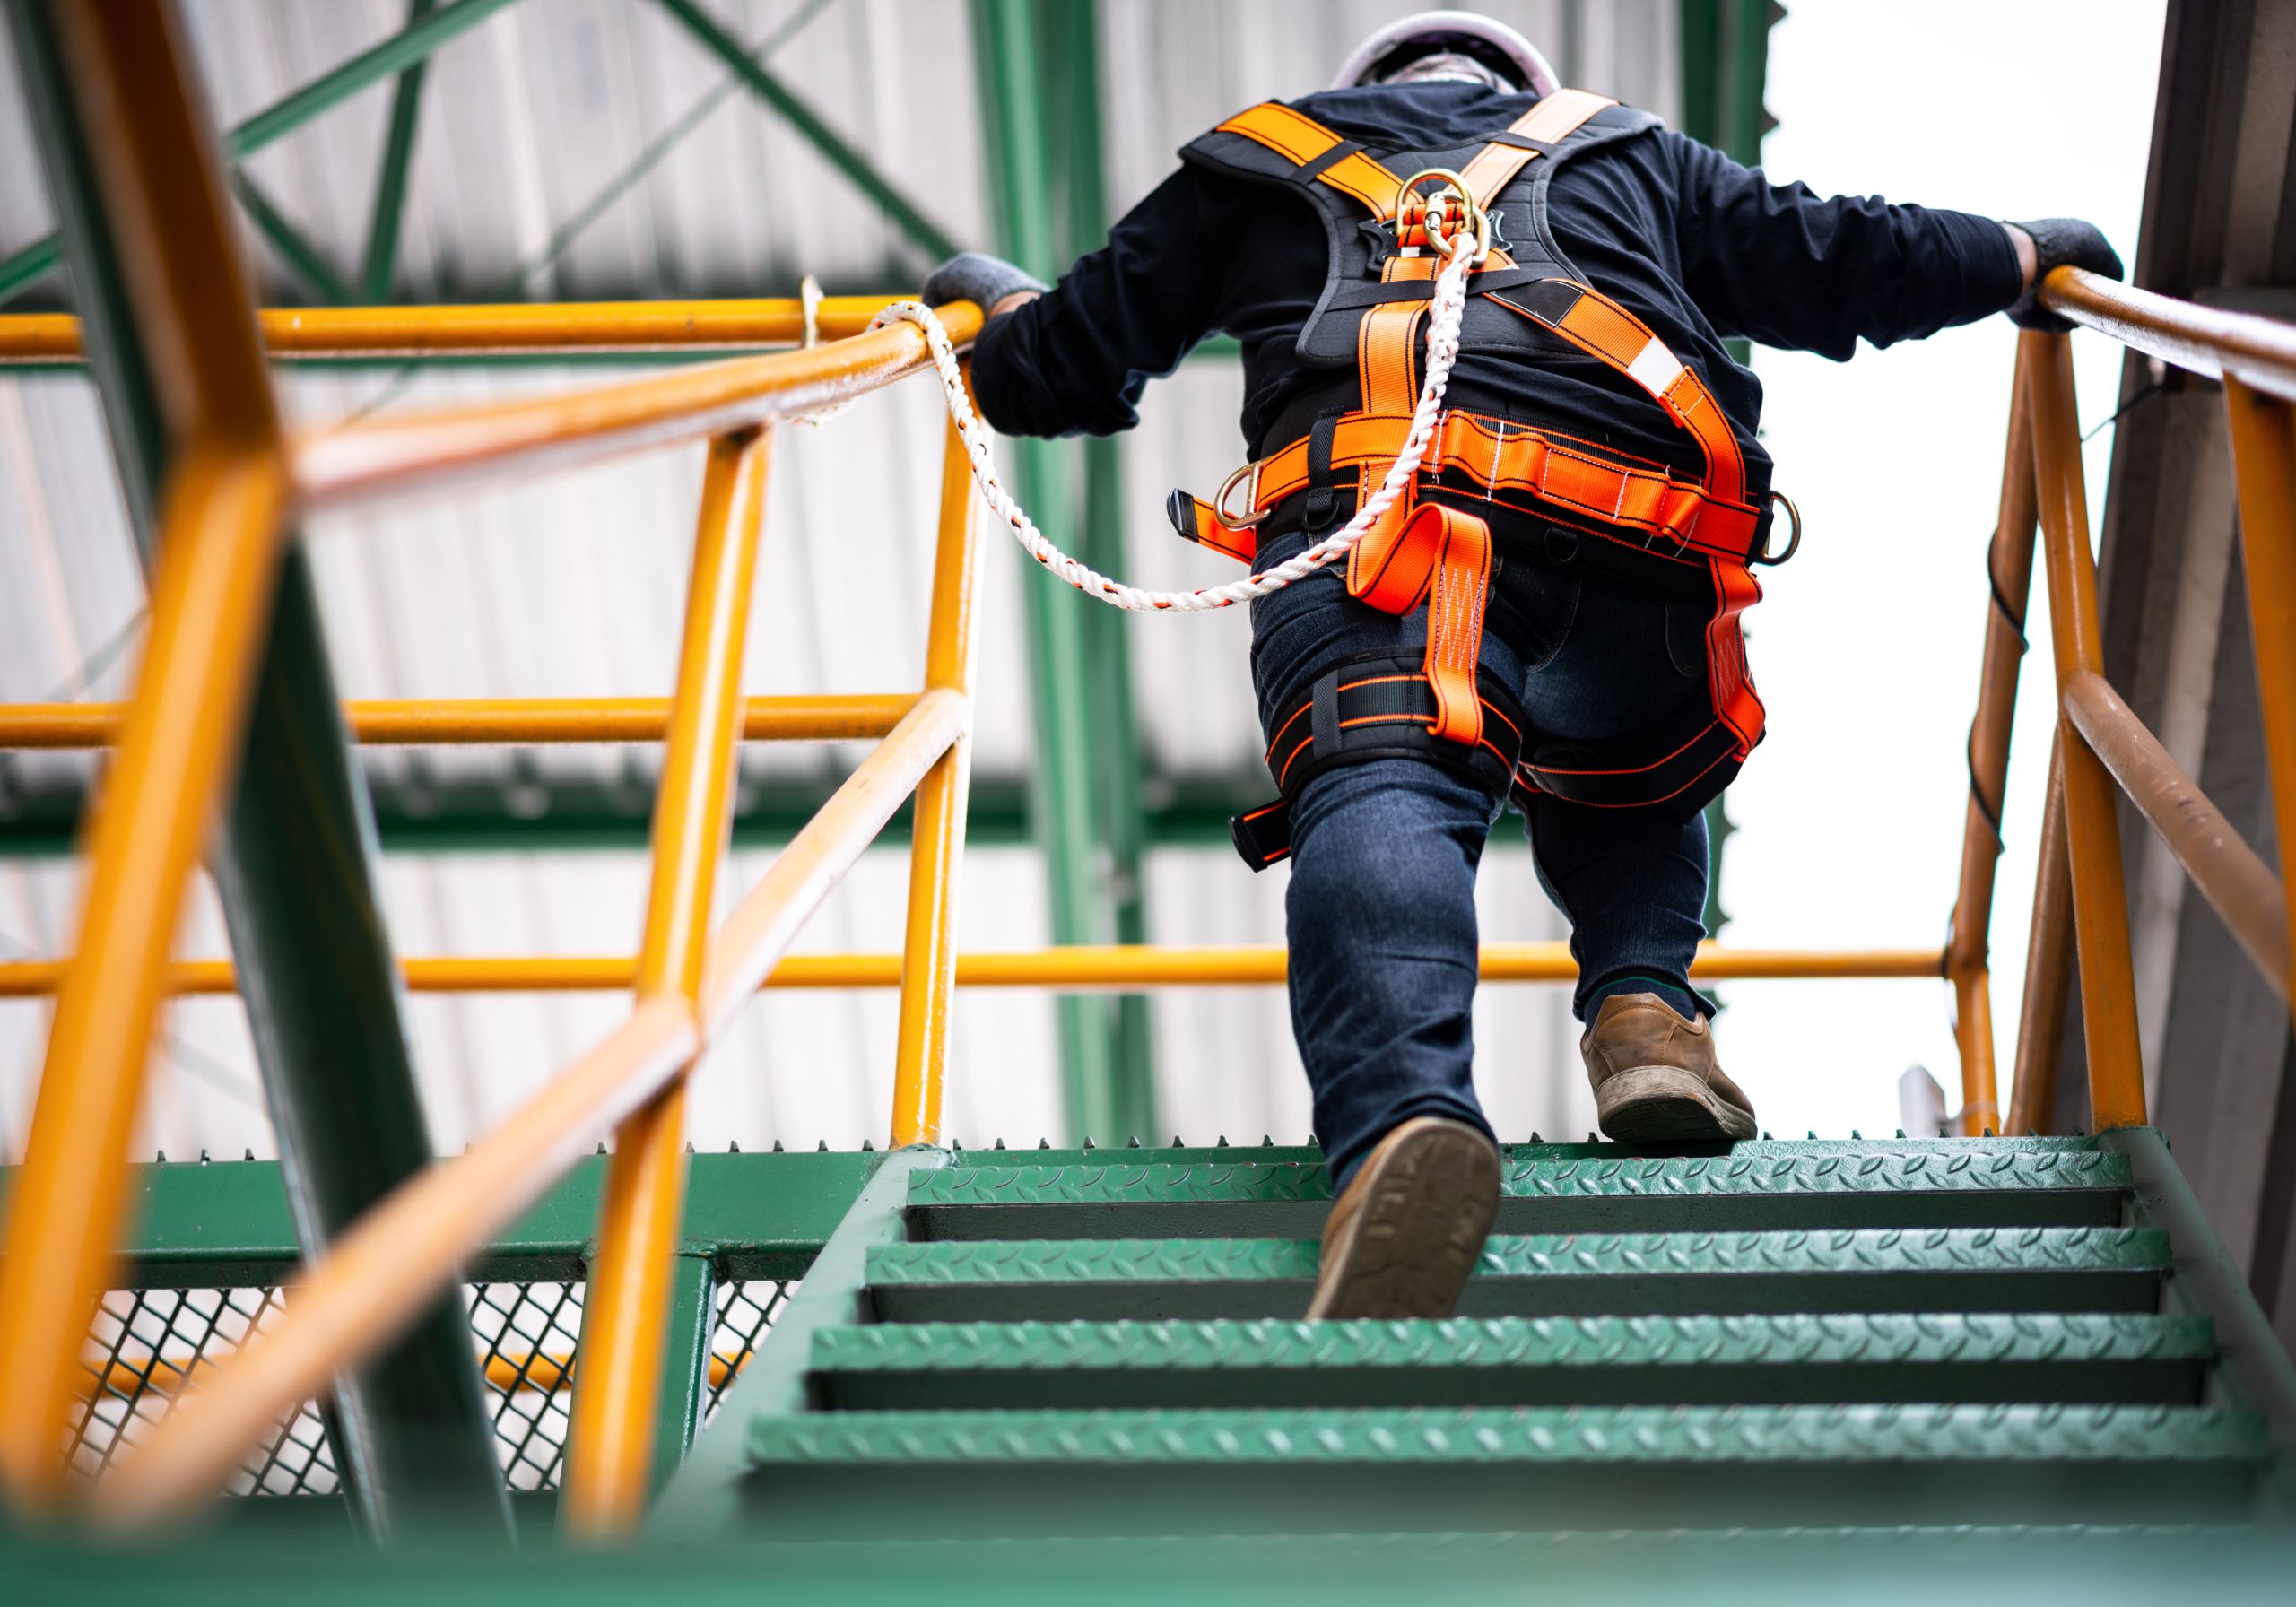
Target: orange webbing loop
[1441, 556]
[1728, 680]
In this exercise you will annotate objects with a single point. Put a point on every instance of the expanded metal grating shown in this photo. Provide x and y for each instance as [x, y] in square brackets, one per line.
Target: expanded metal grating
[146, 1344]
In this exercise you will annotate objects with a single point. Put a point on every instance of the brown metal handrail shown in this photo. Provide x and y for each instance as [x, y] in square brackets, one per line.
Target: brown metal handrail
[2102, 750]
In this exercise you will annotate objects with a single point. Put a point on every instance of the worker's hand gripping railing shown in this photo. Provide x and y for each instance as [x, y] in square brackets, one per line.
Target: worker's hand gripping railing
[223, 519]
[2080, 900]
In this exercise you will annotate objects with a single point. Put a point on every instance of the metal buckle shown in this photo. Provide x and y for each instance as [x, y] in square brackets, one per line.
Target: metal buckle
[1478, 220]
[1794, 543]
[1220, 500]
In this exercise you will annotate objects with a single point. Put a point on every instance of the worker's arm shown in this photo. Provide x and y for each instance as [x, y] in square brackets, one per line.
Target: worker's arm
[1779, 264]
[1075, 359]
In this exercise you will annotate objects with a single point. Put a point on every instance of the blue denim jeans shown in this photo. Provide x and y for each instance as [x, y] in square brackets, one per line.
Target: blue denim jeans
[1381, 909]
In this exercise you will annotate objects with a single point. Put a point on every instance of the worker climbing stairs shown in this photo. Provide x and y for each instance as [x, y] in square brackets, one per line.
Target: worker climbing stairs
[1822, 1334]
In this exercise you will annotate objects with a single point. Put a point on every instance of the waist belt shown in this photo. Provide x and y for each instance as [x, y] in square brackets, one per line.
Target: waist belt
[1642, 505]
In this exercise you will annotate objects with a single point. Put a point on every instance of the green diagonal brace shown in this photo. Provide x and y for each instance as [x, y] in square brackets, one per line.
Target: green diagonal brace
[292, 861]
[401, 51]
[294, 247]
[390, 184]
[920, 229]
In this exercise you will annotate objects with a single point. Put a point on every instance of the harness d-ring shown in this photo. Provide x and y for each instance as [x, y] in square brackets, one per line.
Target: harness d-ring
[1251, 516]
[1794, 542]
[1476, 220]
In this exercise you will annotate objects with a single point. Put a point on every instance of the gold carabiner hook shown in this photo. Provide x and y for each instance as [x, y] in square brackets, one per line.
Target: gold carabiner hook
[1477, 220]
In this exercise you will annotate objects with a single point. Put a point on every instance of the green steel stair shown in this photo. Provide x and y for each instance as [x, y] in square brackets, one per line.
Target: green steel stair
[1778, 1337]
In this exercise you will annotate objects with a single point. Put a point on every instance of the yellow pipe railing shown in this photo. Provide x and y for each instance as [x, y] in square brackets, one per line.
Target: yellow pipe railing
[2080, 907]
[1109, 968]
[564, 328]
[503, 721]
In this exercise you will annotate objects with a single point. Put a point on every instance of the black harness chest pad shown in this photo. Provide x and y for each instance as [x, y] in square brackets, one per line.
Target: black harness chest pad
[1328, 339]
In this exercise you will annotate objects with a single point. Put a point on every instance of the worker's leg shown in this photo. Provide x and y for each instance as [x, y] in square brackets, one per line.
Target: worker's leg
[1381, 903]
[1381, 919]
[1632, 884]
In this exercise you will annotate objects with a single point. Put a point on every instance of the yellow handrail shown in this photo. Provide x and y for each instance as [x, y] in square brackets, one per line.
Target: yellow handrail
[1078, 968]
[2100, 743]
[562, 328]
[416, 722]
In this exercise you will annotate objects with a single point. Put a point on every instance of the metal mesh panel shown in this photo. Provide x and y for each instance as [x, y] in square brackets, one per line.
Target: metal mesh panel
[528, 1331]
[146, 1344]
[745, 1311]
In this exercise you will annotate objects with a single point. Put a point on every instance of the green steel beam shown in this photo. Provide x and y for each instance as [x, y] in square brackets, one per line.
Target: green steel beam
[1085, 796]
[1072, 54]
[381, 261]
[227, 1224]
[1724, 69]
[919, 230]
[370, 66]
[291, 863]
[295, 249]
[1190, 812]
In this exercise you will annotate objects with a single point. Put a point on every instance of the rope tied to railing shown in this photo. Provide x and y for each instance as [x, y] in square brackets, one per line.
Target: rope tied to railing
[1442, 351]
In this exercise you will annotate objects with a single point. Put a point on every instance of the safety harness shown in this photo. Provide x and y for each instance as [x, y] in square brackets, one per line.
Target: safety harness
[1388, 236]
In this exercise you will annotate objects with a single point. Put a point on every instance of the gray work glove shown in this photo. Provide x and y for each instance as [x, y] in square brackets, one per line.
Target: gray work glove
[979, 278]
[2061, 243]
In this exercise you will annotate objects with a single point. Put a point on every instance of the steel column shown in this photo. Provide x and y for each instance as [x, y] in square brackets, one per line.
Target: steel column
[330, 90]
[2092, 816]
[685, 1363]
[1106, 1096]
[611, 1439]
[179, 366]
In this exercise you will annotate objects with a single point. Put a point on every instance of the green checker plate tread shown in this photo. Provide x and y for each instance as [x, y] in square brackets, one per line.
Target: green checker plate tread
[1516, 1342]
[1735, 1434]
[1879, 1250]
[1901, 1168]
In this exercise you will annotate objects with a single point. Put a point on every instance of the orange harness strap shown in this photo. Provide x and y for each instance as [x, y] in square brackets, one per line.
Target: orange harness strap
[1304, 141]
[1549, 122]
[1442, 557]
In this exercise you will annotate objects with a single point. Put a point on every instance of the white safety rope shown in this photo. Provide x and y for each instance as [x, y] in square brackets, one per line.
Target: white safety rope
[1442, 351]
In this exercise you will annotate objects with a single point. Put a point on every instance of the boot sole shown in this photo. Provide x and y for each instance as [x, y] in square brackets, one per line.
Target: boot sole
[1664, 1104]
[1412, 1246]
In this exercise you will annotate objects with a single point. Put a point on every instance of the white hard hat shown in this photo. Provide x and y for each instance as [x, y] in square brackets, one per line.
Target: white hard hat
[1423, 33]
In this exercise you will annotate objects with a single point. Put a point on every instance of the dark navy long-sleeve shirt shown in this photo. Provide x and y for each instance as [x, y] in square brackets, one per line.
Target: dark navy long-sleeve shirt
[1700, 247]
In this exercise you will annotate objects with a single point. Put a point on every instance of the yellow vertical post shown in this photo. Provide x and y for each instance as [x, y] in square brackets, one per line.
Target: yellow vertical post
[2009, 564]
[2091, 820]
[219, 520]
[610, 1435]
[2264, 458]
[936, 851]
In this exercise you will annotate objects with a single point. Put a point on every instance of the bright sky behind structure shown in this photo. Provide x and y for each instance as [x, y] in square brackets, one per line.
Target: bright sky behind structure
[1867, 646]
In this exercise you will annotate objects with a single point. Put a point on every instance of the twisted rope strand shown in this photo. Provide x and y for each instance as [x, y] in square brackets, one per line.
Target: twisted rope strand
[1443, 352]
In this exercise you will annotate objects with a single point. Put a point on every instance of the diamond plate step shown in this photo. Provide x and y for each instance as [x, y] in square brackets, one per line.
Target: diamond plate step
[1319, 1471]
[1513, 1361]
[1751, 1187]
[1879, 1270]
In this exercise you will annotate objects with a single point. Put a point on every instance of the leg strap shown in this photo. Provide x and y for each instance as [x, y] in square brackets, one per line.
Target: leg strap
[1379, 706]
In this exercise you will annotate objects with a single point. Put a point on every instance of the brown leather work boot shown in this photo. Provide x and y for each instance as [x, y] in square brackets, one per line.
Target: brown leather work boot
[1656, 1078]
[1401, 1239]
